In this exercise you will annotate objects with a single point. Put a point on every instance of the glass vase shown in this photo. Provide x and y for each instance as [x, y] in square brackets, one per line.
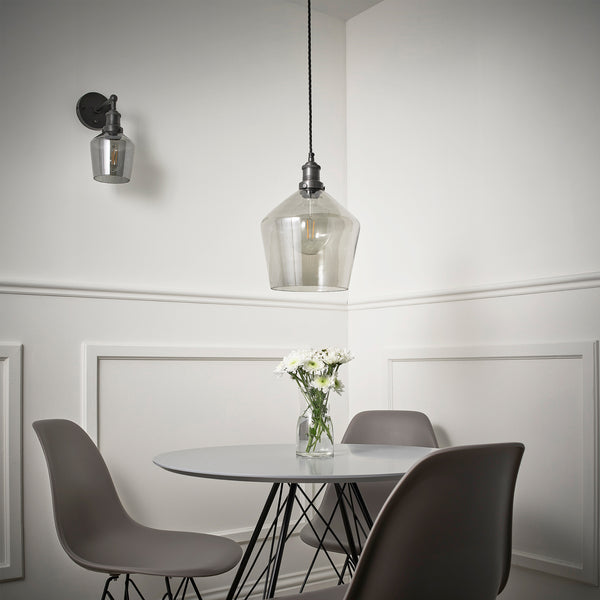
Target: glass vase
[314, 430]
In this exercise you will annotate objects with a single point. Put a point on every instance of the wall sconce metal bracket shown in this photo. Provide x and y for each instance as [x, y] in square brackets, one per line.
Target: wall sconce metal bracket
[92, 108]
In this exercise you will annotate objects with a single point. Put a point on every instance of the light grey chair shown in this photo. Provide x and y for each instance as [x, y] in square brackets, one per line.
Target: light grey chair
[98, 534]
[393, 427]
[445, 533]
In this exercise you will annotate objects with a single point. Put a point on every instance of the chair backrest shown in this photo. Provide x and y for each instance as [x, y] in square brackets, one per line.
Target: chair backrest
[445, 533]
[84, 497]
[397, 427]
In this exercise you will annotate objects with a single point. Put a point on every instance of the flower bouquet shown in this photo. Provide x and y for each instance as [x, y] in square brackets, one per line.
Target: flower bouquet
[315, 372]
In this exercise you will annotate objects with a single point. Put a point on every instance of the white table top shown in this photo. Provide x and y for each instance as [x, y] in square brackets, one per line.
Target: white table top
[279, 463]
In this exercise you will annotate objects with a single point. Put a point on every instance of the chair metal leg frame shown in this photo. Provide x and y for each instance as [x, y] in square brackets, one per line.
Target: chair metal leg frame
[105, 592]
[168, 594]
[128, 581]
[345, 502]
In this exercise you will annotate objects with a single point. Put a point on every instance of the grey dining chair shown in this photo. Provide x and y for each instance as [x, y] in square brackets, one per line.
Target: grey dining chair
[445, 533]
[98, 534]
[393, 427]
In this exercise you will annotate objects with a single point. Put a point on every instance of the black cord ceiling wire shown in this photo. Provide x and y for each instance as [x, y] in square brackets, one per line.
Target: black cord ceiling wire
[311, 155]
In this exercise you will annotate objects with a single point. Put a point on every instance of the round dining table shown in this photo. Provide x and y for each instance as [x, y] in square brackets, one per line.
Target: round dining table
[278, 464]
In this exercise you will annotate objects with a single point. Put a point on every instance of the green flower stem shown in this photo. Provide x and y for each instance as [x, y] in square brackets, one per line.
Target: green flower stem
[317, 403]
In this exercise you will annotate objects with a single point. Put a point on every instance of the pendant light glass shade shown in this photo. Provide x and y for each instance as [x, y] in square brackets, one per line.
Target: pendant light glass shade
[112, 158]
[310, 241]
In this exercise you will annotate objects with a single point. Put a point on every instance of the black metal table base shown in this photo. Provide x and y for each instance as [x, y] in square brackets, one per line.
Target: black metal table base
[350, 505]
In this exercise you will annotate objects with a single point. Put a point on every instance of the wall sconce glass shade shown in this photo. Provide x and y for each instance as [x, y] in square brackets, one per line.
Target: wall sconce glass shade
[112, 158]
[310, 241]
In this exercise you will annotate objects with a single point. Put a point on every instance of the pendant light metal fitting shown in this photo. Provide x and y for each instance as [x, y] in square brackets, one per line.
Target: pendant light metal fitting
[311, 176]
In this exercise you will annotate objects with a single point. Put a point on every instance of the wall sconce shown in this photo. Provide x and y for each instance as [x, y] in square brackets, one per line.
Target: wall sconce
[112, 152]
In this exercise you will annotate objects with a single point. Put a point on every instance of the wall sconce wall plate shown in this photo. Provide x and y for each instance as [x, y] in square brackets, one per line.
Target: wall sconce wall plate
[112, 152]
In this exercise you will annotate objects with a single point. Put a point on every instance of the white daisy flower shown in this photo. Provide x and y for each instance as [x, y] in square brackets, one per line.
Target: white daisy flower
[331, 356]
[294, 361]
[313, 365]
[322, 382]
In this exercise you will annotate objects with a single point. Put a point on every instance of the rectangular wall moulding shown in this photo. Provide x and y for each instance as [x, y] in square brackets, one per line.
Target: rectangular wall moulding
[151, 400]
[544, 395]
[11, 511]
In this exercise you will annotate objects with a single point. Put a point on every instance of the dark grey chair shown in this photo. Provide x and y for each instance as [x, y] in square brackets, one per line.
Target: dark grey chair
[445, 533]
[388, 427]
[98, 534]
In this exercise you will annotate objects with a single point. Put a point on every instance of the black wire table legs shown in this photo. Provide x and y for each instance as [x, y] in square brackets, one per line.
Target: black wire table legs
[351, 507]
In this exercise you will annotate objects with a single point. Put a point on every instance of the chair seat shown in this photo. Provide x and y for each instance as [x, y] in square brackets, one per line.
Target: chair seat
[144, 550]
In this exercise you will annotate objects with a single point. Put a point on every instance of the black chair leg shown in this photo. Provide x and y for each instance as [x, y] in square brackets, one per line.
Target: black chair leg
[105, 592]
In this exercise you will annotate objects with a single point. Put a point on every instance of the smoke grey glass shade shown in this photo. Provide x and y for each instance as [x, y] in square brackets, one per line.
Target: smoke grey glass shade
[310, 241]
[112, 158]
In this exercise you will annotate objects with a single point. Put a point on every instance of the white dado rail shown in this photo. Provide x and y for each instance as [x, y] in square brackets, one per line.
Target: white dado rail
[545, 395]
[563, 283]
[11, 518]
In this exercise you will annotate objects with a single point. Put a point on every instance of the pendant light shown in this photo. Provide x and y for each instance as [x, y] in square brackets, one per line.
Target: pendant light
[310, 239]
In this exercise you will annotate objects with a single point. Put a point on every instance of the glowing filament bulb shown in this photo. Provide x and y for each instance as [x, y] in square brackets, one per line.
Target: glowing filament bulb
[310, 229]
[114, 155]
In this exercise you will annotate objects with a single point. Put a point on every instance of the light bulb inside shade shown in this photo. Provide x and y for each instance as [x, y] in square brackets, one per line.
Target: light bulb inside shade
[315, 232]
[309, 241]
[112, 158]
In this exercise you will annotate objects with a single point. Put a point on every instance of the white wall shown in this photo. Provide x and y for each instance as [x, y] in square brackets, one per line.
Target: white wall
[472, 129]
[472, 153]
[472, 144]
[169, 267]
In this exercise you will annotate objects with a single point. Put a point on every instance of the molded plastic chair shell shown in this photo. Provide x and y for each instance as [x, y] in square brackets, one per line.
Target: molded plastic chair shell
[95, 530]
[445, 533]
[388, 427]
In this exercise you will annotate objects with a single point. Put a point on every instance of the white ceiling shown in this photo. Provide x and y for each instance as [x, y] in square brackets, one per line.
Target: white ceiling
[343, 9]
